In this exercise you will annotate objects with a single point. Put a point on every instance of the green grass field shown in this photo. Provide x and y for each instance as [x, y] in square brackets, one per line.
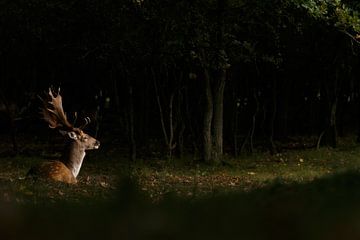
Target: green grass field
[296, 194]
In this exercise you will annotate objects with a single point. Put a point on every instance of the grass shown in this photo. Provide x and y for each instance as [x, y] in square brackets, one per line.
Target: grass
[248, 173]
[296, 194]
[102, 174]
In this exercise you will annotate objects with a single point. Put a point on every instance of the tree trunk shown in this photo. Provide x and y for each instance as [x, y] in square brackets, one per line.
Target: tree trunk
[192, 134]
[115, 89]
[214, 95]
[208, 115]
[181, 122]
[131, 123]
[13, 132]
[254, 122]
[218, 117]
[329, 135]
[332, 134]
[166, 139]
[273, 116]
[171, 145]
[235, 125]
[170, 132]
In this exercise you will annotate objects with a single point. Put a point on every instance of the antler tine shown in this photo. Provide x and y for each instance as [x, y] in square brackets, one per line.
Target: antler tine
[53, 111]
[87, 121]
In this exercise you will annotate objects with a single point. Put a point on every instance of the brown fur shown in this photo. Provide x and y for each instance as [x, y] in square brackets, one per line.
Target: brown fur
[53, 170]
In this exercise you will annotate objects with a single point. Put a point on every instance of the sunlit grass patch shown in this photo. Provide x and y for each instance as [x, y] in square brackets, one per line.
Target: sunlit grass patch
[101, 174]
[248, 173]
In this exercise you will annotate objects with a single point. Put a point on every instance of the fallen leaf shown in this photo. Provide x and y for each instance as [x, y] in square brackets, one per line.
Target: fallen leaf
[28, 193]
[104, 184]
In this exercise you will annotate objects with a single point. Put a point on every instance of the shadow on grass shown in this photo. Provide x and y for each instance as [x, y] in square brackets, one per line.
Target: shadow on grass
[327, 208]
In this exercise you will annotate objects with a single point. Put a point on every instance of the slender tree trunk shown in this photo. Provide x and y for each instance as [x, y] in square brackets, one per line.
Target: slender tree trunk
[160, 108]
[254, 121]
[332, 128]
[246, 140]
[190, 124]
[181, 121]
[273, 117]
[13, 131]
[170, 132]
[330, 132]
[333, 111]
[131, 123]
[219, 117]
[208, 115]
[250, 136]
[329, 135]
[181, 140]
[235, 125]
[171, 145]
[115, 89]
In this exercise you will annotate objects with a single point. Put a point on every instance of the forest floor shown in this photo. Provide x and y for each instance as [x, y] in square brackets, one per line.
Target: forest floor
[295, 194]
[102, 174]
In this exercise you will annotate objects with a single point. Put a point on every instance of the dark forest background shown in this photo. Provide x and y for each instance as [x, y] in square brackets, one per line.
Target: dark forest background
[202, 78]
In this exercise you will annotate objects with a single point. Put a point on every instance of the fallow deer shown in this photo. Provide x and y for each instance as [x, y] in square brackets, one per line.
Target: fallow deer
[67, 168]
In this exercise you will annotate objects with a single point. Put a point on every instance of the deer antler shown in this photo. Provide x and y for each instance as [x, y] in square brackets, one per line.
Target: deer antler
[86, 120]
[53, 111]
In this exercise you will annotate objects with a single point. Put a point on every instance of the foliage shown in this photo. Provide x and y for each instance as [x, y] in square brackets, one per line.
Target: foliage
[306, 46]
[334, 12]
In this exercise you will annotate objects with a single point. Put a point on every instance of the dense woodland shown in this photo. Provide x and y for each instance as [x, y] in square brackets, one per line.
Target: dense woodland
[198, 77]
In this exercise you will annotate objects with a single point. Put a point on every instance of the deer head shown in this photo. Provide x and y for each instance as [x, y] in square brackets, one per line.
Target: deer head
[83, 139]
[53, 113]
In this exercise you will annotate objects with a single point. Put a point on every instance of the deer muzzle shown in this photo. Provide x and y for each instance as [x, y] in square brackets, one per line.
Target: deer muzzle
[97, 144]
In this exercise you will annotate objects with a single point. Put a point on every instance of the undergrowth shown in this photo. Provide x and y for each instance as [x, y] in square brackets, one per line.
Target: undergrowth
[297, 194]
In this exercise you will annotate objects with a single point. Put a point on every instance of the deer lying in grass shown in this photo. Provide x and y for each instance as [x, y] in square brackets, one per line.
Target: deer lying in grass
[68, 167]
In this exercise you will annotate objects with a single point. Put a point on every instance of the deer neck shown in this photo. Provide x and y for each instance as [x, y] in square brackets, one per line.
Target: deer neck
[73, 157]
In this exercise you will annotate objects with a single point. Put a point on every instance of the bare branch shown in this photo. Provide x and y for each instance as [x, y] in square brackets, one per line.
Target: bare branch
[354, 38]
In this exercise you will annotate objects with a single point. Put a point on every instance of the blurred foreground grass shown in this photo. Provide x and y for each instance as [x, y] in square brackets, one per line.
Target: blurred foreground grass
[305, 194]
